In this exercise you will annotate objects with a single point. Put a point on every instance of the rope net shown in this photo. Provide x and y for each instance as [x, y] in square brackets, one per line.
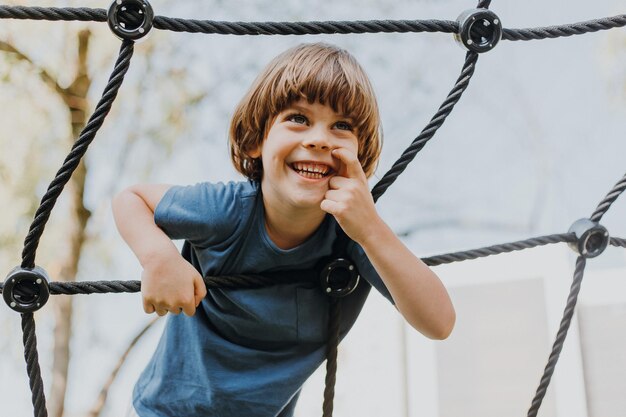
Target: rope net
[585, 241]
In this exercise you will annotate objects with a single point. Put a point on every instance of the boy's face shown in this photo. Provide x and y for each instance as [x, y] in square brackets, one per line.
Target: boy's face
[296, 154]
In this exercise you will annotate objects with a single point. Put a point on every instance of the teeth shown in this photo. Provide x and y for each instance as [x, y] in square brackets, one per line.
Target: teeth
[314, 175]
[311, 168]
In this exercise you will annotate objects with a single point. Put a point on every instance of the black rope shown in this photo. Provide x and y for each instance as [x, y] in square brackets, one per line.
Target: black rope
[429, 131]
[257, 281]
[304, 28]
[312, 27]
[498, 249]
[614, 241]
[602, 208]
[560, 338]
[47, 204]
[225, 281]
[74, 157]
[53, 13]
[31, 356]
[551, 32]
[605, 204]
[94, 287]
[332, 346]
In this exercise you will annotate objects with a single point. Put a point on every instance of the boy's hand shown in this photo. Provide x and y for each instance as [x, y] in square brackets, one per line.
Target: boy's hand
[171, 284]
[417, 292]
[348, 198]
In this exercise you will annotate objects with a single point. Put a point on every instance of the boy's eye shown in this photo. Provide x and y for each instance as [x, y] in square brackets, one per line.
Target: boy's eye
[343, 126]
[297, 118]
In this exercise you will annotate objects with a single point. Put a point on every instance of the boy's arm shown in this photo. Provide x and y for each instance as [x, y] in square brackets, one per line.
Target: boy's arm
[169, 283]
[416, 290]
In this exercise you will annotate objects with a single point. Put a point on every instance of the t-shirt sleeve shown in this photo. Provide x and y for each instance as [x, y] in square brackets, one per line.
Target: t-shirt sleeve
[203, 213]
[366, 269]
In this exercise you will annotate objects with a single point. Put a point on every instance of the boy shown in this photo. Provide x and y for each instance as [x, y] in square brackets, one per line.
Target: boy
[307, 136]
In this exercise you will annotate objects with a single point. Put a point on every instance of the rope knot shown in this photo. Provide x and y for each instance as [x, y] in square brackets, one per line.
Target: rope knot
[592, 238]
[339, 278]
[479, 30]
[26, 290]
[130, 19]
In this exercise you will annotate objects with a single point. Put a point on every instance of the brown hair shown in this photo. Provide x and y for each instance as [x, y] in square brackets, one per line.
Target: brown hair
[317, 72]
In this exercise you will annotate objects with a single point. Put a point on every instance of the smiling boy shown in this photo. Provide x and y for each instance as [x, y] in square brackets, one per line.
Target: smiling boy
[307, 136]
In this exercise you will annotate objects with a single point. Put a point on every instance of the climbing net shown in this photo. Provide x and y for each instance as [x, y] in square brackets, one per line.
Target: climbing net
[27, 287]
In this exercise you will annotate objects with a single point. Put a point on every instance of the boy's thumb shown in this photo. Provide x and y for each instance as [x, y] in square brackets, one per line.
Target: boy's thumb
[199, 291]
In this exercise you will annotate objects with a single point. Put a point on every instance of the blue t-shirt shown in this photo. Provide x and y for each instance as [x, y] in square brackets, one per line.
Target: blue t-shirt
[246, 352]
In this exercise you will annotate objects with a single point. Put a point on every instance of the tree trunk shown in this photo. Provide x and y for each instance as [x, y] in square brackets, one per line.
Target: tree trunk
[75, 97]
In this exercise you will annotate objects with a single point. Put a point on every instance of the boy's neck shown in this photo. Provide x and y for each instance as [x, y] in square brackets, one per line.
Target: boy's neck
[289, 227]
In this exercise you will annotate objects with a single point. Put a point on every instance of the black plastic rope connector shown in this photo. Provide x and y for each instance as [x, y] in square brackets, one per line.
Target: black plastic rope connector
[592, 238]
[480, 30]
[130, 19]
[339, 278]
[26, 290]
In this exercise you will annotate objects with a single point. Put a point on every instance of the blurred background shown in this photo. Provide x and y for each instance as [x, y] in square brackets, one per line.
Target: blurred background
[534, 144]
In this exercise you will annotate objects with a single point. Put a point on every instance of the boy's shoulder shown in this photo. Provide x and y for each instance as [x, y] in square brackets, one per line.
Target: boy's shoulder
[233, 189]
[242, 189]
[214, 193]
[206, 212]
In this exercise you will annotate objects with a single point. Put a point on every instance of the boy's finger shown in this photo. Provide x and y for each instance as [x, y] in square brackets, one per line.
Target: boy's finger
[333, 195]
[148, 307]
[352, 166]
[336, 182]
[199, 291]
[329, 206]
[188, 309]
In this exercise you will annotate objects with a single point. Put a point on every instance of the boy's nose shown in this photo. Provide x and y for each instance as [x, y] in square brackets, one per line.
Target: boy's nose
[317, 140]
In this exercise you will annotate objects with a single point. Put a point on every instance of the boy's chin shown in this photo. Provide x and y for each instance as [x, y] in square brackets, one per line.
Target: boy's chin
[308, 202]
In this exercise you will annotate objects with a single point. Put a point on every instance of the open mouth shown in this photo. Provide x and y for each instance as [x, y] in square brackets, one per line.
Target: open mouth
[311, 170]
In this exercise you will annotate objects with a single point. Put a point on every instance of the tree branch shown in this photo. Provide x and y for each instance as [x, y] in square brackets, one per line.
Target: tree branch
[98, 406]
[45, 75]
